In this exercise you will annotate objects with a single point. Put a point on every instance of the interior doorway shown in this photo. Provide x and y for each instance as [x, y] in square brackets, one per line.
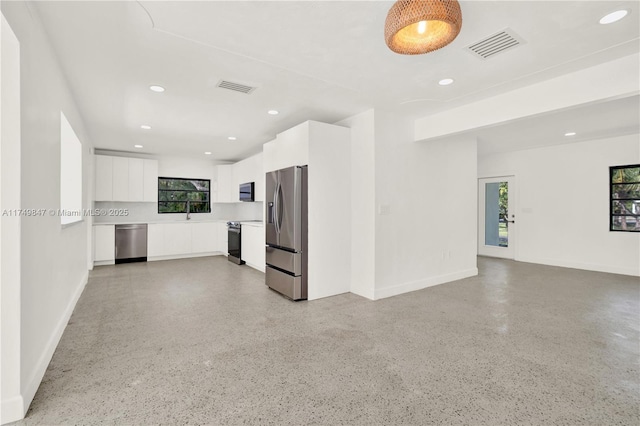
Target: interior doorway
[496, 217]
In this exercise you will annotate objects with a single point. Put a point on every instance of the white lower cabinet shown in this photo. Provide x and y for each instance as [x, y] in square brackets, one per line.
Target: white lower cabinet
[223, 238]
[204, 237]
[253, 242]
[167, 240]
[183, 239]
[155, 240]
[104, 243]
[177, 238]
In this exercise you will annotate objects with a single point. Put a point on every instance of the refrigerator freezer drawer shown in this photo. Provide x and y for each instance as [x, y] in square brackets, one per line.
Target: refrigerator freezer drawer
[291, 262]
[285, 284]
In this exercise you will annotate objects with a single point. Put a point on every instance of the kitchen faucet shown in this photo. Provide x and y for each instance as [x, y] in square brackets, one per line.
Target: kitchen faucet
[188, 209]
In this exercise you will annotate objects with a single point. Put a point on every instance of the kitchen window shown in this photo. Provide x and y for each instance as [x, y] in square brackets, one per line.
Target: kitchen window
[625, 198]
[175, 194]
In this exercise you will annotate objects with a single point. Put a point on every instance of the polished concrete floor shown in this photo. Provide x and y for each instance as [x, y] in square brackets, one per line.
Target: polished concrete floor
[203, 341]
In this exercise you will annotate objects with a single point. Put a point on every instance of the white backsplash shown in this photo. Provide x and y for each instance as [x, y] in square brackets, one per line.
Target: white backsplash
[148, 212]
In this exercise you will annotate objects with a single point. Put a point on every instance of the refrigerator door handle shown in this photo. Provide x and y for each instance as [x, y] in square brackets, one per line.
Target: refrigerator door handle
[276, 207]
[279, 211]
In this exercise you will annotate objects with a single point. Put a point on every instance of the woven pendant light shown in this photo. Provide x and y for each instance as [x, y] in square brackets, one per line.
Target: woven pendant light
[420, 26]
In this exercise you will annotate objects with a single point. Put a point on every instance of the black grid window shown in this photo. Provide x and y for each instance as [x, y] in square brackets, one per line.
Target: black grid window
[175, 194]
[625, 198]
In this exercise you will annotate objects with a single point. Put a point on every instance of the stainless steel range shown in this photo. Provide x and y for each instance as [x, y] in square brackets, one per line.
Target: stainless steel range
[234, 245]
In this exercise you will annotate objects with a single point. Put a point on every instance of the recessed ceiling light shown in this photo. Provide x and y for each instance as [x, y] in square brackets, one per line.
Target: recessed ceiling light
[614, 17]
[445, 81]
[207, 153]
[138, 146]
[158, 89]
[232, 138]
[570, 134]
[272, 112]
[145, 127]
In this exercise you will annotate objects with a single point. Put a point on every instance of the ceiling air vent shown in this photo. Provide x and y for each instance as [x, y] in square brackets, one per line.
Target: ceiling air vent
[236, 87]
[495, 43]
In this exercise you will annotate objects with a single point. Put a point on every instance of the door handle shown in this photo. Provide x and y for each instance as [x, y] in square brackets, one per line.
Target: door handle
[279, 211]
[276, 207]
[511, 221]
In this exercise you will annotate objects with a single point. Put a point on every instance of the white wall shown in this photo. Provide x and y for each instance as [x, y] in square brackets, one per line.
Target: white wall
[563, 204]
[53, 260]
[329, 206]
[363, 202]
[426, 224]
[12, 405]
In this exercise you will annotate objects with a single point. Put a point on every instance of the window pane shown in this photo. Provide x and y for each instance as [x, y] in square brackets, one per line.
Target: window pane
[630, 207]
[173, 194]
[496, 230]
[197, 196]
[199, 207]
[623, 191]
[172, 207]
[625, 223]
[626, 175]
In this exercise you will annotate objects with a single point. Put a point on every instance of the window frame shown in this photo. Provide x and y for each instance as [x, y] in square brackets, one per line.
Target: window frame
[612, 184]
[180, 190]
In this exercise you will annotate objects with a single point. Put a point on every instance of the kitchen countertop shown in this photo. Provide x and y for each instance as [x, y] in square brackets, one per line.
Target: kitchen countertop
[255, 223]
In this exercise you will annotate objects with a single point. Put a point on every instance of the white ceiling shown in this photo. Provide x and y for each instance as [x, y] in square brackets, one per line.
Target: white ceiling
[318, 60]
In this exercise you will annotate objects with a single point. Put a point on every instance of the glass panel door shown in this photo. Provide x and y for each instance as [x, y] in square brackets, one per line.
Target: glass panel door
[496, 225]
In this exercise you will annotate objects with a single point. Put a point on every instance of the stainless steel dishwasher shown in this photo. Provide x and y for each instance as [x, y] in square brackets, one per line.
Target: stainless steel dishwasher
[131, 243]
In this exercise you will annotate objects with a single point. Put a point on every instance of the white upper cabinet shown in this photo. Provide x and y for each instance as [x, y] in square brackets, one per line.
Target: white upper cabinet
[259, 173]
[136, 176]
[224, 182]
[126, 179]
[290, 148]
[150, 179]
[120, 179]
[104, 178]
[248, 170]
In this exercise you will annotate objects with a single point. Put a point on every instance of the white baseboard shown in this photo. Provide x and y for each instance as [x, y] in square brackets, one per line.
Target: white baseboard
[12, 410]
[424, 283]
[635, 272]
[369, 294]
[261, 269]
[104, 262]
[33, 382]
[184, 256]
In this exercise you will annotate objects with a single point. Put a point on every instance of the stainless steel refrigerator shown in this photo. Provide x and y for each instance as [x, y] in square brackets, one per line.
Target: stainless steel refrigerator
[286, 231]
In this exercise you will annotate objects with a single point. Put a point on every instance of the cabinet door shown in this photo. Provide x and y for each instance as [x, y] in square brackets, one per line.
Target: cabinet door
[136, 173]
[259, 178]
[223, 192]
[222, 238]
[253, 246]
[177, 238]
[104, 242]
[204, 237]
[120, 179]
[150, 181]
[155, 240]
[104, 178]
